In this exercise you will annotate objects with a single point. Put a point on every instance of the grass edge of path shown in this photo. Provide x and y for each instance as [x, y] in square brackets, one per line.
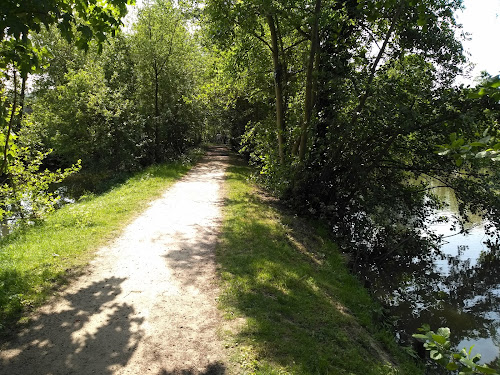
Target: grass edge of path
[291, 306]
[38, 259]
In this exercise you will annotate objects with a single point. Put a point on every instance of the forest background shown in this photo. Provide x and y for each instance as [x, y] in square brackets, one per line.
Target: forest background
[349, 109]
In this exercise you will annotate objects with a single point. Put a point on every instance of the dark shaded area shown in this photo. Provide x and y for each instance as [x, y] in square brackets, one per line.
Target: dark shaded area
[100, 182]
[17, 288]
[300, 300]
[212, 369]
[219, 152]
[52, 346]
[13, 283]
[415, 292]
[192, 256]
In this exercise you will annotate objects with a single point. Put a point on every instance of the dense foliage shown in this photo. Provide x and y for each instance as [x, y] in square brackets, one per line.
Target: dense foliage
[349, 107]
[24, 188]
[133, 104]
[346, 103]
[115, 101]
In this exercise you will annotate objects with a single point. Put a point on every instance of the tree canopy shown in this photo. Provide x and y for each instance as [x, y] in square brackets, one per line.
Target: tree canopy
[360, 107]
[348, 107]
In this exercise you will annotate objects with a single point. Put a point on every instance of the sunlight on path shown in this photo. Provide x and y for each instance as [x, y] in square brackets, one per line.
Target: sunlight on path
[147, 303]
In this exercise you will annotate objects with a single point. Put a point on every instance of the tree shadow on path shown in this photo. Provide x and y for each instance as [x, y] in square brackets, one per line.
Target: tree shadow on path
[212, 369]
[92, 333]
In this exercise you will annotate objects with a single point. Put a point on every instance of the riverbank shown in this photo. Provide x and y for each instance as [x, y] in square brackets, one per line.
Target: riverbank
[36, 260]
[291, 305]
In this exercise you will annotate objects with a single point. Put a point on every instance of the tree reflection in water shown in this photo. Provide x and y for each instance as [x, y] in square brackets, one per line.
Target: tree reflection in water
[453, 289]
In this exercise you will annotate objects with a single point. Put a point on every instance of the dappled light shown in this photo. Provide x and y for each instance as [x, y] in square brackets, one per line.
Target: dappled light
[148, 300]
[293, 297]
[92, 330]
[349, 119]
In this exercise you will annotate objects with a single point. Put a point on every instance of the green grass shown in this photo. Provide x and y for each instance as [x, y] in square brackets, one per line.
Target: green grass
[291, 304]
[37, 259]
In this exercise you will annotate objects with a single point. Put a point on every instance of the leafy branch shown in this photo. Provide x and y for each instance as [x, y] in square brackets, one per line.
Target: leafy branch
[439, 347]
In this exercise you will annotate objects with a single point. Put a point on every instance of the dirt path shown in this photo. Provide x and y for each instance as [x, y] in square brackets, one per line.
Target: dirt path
[147, 304]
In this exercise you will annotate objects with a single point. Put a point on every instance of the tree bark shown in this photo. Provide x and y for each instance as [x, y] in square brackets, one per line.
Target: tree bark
[24, 79]
[3, 170]
[157, 115]
[157, 89]
[309, 94]
[278, 88]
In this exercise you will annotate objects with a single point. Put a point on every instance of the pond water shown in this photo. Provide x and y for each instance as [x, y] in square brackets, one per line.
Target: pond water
[10, 223]
[458, 287]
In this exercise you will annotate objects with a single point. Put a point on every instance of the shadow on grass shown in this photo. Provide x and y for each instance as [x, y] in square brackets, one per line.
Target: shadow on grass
[297, 300]
[212, 369]
[18, 296]
[56, 344]
[105, 181]
[12, 286]
[20, 291]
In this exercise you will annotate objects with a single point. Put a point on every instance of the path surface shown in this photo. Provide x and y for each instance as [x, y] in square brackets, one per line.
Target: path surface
[146, 304]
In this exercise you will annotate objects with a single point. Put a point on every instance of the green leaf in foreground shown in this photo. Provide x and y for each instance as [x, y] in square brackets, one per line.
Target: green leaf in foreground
[439, 350]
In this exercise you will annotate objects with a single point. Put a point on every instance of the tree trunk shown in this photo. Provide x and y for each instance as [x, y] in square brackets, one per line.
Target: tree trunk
[278, 88]
[21, 103]
[3, 169]
[373, 69]
[157, 88]
[24, 79]
[157, 115]
[309, 94]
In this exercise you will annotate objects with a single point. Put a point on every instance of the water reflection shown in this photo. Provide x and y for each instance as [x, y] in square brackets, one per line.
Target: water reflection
[9, 224]
[457, 286]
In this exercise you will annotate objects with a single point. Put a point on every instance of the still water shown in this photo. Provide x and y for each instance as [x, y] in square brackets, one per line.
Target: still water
[458, 287]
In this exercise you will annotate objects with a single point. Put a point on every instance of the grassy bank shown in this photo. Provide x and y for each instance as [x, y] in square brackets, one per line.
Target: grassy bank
[292, 306]
[35, 260]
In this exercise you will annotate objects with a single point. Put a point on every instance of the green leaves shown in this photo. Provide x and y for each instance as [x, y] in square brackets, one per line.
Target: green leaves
[485, 370]
[490, 88]
[452, 366]
[26, 194]
[460, 150]
[93, 20]
[439, 348]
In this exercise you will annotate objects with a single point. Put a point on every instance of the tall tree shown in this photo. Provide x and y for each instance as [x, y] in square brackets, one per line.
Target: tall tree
[78, 21]
[363, 94]
[168, 66]
[283, 28]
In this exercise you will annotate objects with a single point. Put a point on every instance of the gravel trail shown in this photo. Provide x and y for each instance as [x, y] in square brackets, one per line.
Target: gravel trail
[147, 303]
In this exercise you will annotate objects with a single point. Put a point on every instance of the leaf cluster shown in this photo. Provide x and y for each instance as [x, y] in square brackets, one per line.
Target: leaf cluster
[439, 347]
[78, 21]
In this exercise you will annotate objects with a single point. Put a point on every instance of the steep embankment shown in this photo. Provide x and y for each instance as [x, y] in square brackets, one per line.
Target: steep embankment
[291, 304]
